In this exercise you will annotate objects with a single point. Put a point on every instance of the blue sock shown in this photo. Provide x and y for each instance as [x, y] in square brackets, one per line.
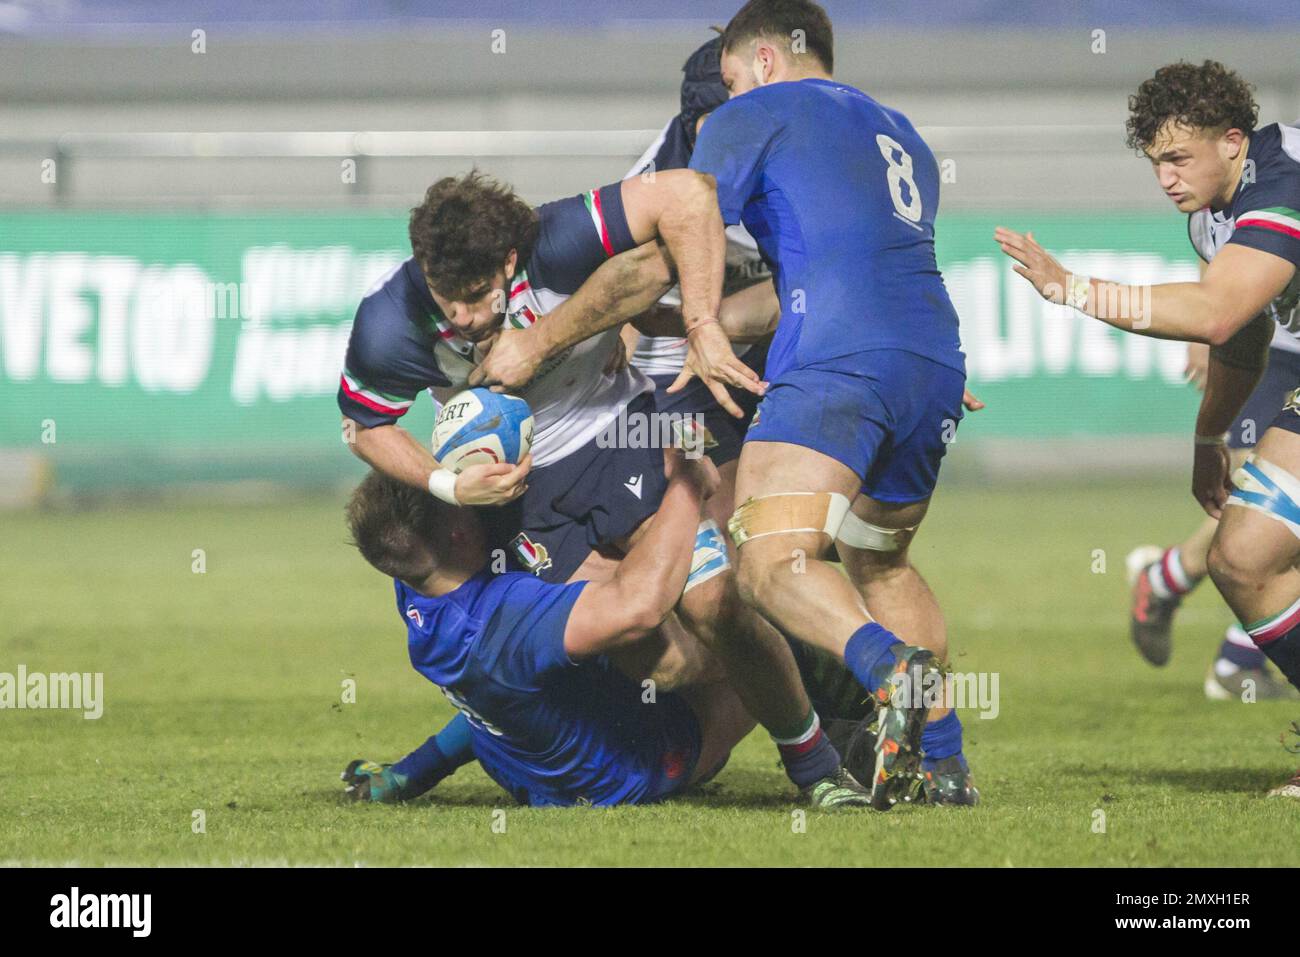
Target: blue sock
[942, 739]
[869, 655]
[807, 754]
[1241, 656]
[437, 758]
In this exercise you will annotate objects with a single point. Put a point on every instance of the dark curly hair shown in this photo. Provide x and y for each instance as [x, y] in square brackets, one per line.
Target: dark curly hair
[1205, 97]
[778, 20]
[465, 228]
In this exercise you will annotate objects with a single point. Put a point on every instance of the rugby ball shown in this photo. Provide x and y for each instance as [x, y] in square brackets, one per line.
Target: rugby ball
[482, 427]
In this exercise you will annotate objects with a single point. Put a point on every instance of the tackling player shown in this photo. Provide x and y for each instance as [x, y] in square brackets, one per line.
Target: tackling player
[1198, 132]
[866, 372]
[527, 662]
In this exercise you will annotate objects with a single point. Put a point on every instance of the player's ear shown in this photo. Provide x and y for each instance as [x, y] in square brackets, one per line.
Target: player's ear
[1233, 139]
[512, 260]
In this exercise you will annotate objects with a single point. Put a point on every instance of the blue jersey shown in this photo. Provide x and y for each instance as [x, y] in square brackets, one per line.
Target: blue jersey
[548, 730]
[840, 193]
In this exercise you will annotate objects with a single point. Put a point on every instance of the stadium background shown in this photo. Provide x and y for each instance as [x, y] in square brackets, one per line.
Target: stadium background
[186, 443]
[193, 197]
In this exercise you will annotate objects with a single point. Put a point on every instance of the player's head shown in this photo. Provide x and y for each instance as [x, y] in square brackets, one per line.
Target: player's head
[408, 534]
[468, 236]
[1193, 122]
[770, 41]
[702, 88]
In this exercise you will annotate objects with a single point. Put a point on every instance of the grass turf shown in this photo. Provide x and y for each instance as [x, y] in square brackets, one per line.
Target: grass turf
[223, 695]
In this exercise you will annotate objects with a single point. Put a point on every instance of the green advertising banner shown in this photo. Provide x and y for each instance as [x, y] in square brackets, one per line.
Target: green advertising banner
[143, 348]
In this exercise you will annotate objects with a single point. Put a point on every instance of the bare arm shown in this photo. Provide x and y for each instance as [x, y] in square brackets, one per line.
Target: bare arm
[622, 287]
[1237, 285]
[680, 206]
[750, 314]
[397, 453]
[648, 582]
[1233, 371]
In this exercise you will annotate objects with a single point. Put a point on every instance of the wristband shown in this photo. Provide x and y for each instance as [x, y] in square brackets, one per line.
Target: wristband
[1078, 289]
[700, 325]
[1212, 439]
[442, 485]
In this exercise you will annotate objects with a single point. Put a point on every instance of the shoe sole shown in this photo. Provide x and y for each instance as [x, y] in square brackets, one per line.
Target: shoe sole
[898, 743]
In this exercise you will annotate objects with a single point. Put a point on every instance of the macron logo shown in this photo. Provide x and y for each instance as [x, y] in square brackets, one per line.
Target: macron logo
[633, 485]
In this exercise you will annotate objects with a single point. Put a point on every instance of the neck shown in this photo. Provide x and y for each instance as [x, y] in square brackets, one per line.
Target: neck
[446, 578]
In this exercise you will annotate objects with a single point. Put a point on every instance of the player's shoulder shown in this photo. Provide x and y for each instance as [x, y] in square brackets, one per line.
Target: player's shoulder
[394, 299]
[1273, 163]
[394, 310]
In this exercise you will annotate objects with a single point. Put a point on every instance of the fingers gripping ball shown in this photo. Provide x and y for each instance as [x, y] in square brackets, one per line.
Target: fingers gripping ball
[481, 427]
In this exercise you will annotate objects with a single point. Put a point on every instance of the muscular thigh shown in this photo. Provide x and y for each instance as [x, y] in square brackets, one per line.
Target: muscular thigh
[862, 564]
[1256, 539]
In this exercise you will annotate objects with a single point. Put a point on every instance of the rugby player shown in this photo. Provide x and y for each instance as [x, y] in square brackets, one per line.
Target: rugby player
[479, 252]
[1196, 124]
[866, 373]
[527, 662]
[662, 357]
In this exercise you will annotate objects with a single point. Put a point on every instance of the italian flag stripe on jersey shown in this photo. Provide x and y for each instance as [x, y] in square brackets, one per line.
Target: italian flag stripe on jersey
[377, 401]
[1277, 218]
[592, 199]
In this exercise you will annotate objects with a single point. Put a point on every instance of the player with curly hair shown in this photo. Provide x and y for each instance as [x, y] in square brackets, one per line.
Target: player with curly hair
[1240, 184]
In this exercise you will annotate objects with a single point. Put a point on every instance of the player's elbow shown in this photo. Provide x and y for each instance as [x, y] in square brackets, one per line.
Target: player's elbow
[643, 611]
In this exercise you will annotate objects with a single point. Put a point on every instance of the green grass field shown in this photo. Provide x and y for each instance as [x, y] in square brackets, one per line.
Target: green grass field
[223, 695]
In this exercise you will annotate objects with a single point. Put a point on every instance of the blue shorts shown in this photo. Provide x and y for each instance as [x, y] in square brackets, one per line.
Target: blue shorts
[585, 501]
[667, 742]
[888, 415]
[1280, 379]
[724, 428]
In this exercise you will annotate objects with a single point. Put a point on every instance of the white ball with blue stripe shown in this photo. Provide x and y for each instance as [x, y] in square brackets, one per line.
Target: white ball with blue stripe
[482, 427]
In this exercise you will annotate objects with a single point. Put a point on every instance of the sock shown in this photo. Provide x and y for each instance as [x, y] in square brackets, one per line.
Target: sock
[1279, 638]
[869, 655]
[942, 739]
[1237, 652]
[437, 758]
[1167, 577]
[807, 753]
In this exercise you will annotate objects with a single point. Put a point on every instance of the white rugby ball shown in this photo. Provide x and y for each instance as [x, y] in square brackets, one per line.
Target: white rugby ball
[482, 427]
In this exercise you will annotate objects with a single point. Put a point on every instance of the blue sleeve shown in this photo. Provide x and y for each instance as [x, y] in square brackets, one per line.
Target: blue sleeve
[577, 234]
[524, 637]
[732, 147]
[388, 363]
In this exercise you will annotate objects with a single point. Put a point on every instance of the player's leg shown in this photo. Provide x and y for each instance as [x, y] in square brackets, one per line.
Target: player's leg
[788, 491]
[1254, 554]
[761, 669]
[1158, 580]
[724, 722]
[900, 600]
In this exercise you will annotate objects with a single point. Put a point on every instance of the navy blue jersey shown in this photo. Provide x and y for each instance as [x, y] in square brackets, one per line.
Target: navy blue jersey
[401, 344]
[548, 730]
[840, 193]
[1264, 214]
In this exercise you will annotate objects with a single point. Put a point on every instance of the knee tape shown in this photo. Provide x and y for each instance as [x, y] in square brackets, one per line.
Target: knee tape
[1267, 488]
